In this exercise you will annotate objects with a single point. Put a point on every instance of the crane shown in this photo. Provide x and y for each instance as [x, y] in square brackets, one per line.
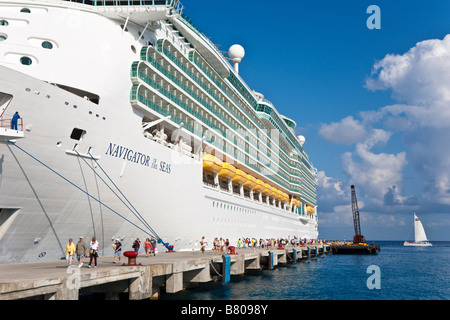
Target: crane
[358, 237]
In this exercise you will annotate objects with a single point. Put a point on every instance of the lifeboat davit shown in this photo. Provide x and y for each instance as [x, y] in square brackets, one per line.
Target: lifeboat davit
[211, 163]
[240, 177]
[259, 186]
[227, 172]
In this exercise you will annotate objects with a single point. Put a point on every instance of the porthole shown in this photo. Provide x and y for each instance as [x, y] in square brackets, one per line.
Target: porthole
[26, 61]
[3, 37]
[133, 48]
[4, 23]
[47, 45]
[25, 10]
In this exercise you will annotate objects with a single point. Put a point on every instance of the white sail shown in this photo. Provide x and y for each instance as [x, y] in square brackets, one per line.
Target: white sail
[419, 231]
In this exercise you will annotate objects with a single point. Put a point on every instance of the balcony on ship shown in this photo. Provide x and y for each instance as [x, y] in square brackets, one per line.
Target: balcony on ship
[8, 130]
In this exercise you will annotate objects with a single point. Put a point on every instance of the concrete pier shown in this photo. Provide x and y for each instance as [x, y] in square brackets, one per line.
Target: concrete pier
[165, 272]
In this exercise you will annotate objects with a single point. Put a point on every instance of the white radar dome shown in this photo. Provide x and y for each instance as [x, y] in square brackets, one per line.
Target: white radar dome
[301, 139]
[236, 53]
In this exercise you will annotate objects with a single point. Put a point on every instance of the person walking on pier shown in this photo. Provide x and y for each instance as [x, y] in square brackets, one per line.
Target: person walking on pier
[136, 245]
[93, 250]
[203, 244]
[147, 246]
[81, 251]
[216, 245]
[153, 246]
[117, 250]
[70, 251]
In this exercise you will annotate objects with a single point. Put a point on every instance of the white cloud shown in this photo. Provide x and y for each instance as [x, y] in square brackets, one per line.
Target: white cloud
[330, 192]
[418, 77]
[339, 216]
[329, 183]
[375, 173]
[347, 131]
[421, 78]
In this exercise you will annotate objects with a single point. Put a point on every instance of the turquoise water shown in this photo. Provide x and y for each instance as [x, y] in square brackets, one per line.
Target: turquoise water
[405, 273]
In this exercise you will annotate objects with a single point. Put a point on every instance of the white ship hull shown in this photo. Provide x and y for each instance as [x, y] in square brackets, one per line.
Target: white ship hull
[417, 244]
[52, 190]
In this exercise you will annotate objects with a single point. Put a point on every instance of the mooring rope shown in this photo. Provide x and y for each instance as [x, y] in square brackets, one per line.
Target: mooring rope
[144, 221]
[212, 265]
[109, 187]
[76, 186]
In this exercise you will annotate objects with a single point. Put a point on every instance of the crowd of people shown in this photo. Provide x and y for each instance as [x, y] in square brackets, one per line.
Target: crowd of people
[149, 246]
[81, 250]
[222, 245]
[219, 245]
[275, 243]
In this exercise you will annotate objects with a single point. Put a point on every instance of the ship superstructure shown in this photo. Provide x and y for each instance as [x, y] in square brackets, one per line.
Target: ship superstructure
[134, 125]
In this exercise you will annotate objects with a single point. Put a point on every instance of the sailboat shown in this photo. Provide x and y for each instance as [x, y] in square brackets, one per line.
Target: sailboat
[419, 235]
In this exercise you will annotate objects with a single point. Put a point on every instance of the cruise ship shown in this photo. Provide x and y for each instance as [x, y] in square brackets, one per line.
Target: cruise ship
[133, 124]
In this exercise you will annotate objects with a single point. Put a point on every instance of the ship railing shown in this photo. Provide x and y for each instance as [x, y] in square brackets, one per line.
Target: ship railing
[173, 3]
[7, 123]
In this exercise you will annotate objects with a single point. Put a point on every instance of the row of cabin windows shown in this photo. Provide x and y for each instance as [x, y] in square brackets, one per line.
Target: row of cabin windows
[44, 44]
[24, 60]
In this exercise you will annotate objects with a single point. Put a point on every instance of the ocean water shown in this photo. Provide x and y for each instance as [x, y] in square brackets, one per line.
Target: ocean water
[395, 273]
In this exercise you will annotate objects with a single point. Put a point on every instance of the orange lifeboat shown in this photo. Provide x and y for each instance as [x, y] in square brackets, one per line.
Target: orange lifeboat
[227, 172]
[310, 209]
[267, 189]
[240, 177]
[259, 186]
[211, 164]
[250, 183]
[279, 195]
[273, 192]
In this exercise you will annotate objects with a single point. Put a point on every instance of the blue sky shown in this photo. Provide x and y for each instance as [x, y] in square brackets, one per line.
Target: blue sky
[373, 104]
